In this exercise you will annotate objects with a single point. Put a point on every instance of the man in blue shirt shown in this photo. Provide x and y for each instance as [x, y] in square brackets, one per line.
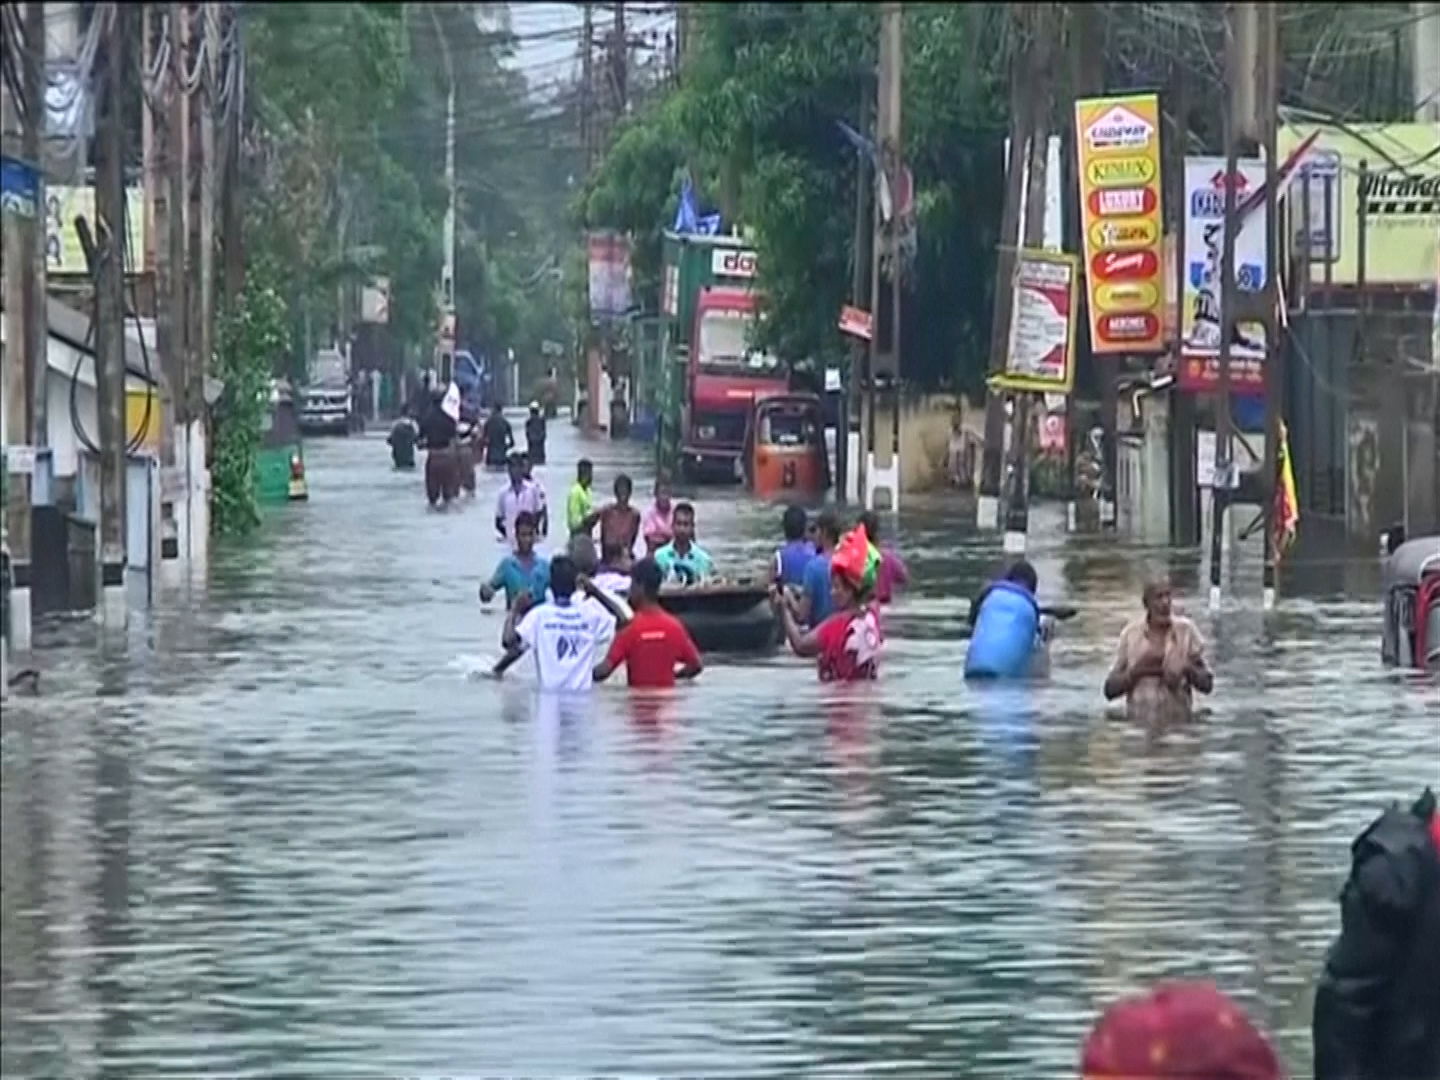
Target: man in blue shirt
[1005, 621]
[796, 553]
[522, 571]
[814, 604]
[682, 559]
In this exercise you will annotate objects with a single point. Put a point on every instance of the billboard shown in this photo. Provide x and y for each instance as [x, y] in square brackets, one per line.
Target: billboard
[609, 275]
[1117, 150]
[1398, 199]
[63, 253]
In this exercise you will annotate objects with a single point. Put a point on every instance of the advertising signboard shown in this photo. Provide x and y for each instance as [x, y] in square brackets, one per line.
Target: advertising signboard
[1118, 158]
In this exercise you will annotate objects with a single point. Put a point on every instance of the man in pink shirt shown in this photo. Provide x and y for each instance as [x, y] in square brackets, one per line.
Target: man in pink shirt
[893, 573]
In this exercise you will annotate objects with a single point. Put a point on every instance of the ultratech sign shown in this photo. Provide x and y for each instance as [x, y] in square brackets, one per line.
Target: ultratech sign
[1384, 178]
[733, 263]
[1388, 195]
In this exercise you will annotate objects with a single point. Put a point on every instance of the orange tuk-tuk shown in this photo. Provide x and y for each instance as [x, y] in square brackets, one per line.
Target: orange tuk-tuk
[785, 456]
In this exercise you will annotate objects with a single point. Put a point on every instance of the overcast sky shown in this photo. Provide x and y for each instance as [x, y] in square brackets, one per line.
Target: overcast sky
[549, 34]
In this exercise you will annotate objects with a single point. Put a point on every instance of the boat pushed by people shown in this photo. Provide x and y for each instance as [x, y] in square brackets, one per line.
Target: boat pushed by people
[1410, 637]
[726, 617]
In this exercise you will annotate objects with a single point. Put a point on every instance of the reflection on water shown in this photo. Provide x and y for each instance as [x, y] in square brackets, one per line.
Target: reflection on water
[282, 832]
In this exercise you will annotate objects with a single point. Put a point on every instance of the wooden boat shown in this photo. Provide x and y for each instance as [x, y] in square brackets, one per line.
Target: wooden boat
[733, 618]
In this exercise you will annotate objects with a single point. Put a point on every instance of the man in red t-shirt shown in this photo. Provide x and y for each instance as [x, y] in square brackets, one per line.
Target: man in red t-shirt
[654, 646]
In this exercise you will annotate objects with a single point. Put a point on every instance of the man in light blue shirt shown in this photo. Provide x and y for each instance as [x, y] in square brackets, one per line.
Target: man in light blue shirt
[682, 560]
[522, 571]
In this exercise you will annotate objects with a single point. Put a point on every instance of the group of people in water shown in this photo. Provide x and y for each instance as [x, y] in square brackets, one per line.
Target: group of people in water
[829, 586]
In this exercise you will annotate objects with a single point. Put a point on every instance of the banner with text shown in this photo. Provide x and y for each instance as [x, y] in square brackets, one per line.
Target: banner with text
[1118, 157]
[1200, 306]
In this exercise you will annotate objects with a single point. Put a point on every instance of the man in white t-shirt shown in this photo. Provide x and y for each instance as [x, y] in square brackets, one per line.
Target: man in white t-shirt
[564, 633]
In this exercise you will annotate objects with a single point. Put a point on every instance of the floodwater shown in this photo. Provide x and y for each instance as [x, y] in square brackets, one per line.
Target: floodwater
[280, 830]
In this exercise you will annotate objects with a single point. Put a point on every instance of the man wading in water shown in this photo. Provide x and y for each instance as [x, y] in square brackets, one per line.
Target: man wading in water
[1160, 659]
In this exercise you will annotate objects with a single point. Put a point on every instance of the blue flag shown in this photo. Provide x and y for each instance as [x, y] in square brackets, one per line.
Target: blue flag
[688, 219]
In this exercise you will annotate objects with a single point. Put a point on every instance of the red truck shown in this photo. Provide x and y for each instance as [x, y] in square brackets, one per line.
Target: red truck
[711, 309]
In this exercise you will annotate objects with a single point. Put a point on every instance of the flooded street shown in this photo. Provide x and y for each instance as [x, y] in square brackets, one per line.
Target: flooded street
[283, 831]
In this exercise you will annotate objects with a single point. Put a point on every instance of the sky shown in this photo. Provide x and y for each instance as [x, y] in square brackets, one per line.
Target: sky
[549, 36]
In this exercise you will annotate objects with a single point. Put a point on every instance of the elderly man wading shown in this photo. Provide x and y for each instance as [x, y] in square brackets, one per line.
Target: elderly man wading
[1159, 661]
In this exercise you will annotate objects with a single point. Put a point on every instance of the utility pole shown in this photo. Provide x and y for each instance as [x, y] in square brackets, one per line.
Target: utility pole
[886, 254]
[987, 511]
[1184, 501]
[231, 220]
[172, 289]
[620, 65]
[19, 124]
[160, 144]
[447, 271]
[1087, 80]
[37, 322]
[860, 272]
[209, 83]
[587, 84]
[1237, 23]
[1269, 104]
[1040, 32]
[15, 121]
[109, 271]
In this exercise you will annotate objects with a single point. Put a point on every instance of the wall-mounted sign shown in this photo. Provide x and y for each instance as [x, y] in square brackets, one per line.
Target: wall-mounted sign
[1398, 200]
[856, 323]
[1118, 159]
[63, 253]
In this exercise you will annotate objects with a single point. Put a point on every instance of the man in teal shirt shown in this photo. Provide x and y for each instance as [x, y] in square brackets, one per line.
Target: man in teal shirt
[522, 571]
[682, 560]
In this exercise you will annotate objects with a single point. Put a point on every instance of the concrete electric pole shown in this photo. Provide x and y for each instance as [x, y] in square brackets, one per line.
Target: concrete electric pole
[1241, 50]
[446, 354]
[25, 321]
[992, 461]
[110, 239]
[880, 469]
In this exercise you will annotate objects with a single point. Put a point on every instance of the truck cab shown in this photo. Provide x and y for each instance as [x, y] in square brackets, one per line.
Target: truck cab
[714, 372]
[726, 375]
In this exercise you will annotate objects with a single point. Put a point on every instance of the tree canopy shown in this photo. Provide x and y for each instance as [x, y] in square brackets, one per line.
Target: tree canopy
[345, 170]
[754, 124]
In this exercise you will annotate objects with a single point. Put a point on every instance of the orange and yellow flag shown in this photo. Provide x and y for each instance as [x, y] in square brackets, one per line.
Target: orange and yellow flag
[1287, 506]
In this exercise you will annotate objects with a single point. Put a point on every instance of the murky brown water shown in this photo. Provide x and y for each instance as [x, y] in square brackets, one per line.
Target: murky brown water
[279, 832]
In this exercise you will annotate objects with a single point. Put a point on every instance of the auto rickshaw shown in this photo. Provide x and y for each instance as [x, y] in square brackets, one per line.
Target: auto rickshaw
[1411, 635]
[785, 456]
[280, 460]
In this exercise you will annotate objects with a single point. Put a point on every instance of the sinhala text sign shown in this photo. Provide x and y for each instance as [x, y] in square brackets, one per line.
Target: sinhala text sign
[1200, 307]
[1041, 356]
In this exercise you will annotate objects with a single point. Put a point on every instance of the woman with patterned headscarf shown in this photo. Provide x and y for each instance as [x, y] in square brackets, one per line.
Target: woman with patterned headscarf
[1178, 1031]
[846, 644]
